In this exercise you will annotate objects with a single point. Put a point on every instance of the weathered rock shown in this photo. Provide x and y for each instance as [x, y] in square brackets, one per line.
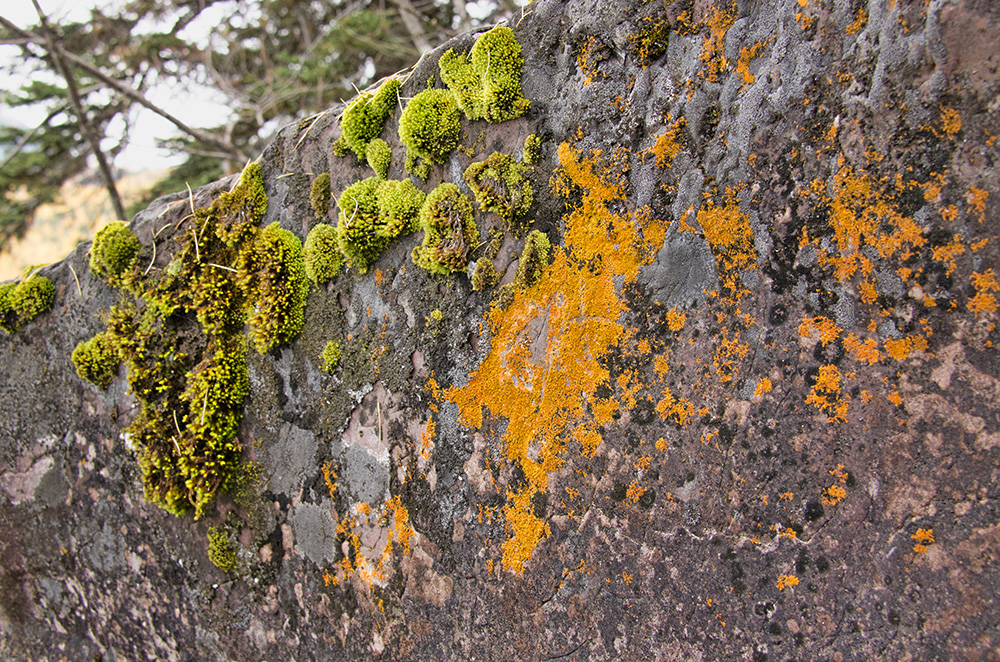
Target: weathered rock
[751, 409]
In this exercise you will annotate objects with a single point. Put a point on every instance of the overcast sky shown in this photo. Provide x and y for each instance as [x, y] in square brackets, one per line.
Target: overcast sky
[194, 106]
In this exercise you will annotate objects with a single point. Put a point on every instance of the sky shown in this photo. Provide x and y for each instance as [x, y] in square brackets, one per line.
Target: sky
[196, 106]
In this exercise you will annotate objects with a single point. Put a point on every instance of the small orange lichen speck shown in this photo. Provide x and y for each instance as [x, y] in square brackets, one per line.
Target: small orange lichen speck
[976, 197]
[787, 581]
[825, 394]
[666, 147]
[924, 537]
[634, 492]
[828, 331]
[986, 286]
[834, 495]
[676, 319]
[763, 386]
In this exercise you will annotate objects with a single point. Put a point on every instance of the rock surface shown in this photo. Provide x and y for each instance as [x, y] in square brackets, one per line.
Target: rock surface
[751, 409]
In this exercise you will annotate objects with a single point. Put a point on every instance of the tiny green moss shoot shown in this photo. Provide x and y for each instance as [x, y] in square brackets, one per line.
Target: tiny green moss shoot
[429, 127]
[484, 275]
[500, 186]
[321, 253]
[114, 254]
[532, 149]
[379, 157]
[319, 196]
[221, 549]
[22, 302]
[450, 231]
[365, 118]
[487, 82]
[534, 259]
[97, 360]
[331, 357]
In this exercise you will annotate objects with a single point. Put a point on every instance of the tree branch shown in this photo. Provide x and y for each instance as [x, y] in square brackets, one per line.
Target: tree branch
[89, 133]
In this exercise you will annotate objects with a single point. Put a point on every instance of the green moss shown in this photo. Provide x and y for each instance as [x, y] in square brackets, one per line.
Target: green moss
[114, 254]
[651, 41]
[499, 186]
[319, 196]
[484, 275]
[221, 549]
[399, 203]
[365, 118]
[534, 259]
[450, 231]
[373, 212]
[236, 215]
[429, 127]
[97, 360]
[22, 302]
[487, 82]
[278, 279]
[321, 253]
[379, 157]
[532, 149]
[331, 356]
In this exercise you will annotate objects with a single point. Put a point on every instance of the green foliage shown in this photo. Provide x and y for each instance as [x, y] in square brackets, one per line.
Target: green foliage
[484, 275]
[429, 127]
[114, 254]
[221, 549]
[331, 356]
[534, 259]
[281, 287]
[365, 118]
[499, 186]
[373, 212]
[379, 157]
[449, 231]
[319, 195]
[487, 82]
[321, 254]
[22, 302]
[532, 149]
[97, 360]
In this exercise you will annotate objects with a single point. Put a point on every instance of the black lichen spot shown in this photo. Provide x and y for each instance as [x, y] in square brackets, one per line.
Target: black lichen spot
[814, 510]
[647, 499]
[822, 564]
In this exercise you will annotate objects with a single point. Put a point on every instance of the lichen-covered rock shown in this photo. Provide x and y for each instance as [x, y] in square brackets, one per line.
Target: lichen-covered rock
[733, 394]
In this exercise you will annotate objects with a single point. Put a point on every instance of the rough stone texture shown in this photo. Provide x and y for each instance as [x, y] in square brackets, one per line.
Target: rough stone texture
[666, 540]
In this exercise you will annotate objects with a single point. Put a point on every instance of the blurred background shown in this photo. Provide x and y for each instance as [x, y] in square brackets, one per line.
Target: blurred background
[105, 105]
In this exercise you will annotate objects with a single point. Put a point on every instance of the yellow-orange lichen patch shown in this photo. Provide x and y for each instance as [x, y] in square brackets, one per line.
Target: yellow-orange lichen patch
[826, 394]
[862, 351]
[976, 197]
[924, 537]
[763, 386]
[713, 47]
[787, 581]
[860, 20]
[748, 53]
[544, 365]
[828, 330]
[666, 147]
[901, 348]
[728, 232]
[676, 319]
[985, 300]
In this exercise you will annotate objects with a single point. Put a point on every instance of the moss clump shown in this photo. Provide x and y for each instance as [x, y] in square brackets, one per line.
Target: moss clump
[97, 360]
[319, 196]
[484, 275]
[651, 41]
[373, 212]
[449, 231]
[221, 549]
[22, 302]
[429, 127]
[534, 259]
[379, 157]
[532, 149]
[365, 118]
[499, 186]
[487, 82]
[115, 253]
[331, 356]
[321, 253]
[278, 278]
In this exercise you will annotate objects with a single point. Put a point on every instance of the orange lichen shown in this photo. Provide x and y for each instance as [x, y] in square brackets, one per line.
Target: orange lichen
[834, 495]
[330, 477]
[826, 394]
[713, 47]
[666, 147]
[748, 53]
[727, 230]
[634, 492]
[591, 54]
[862, 351]
[894, 398]
[828, 331]
[976, 198]
[763, 386]
[676, 319]
[924, 537]
[985, 300]
[949, 252]
[860, 20]
[545, 366]
[787, 581]
[951, 121]
[901, 348]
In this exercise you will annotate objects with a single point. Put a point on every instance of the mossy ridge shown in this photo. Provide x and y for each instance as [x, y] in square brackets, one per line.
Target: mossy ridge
[429, 127]
[365, 118]
[450, 231]
[484, 275]
[191, 378]
[487, 82]
[378, 154]
[373, 212]
[532, 149]
[319, 195]
[500, 186]
[97, 360]
[22, 302]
